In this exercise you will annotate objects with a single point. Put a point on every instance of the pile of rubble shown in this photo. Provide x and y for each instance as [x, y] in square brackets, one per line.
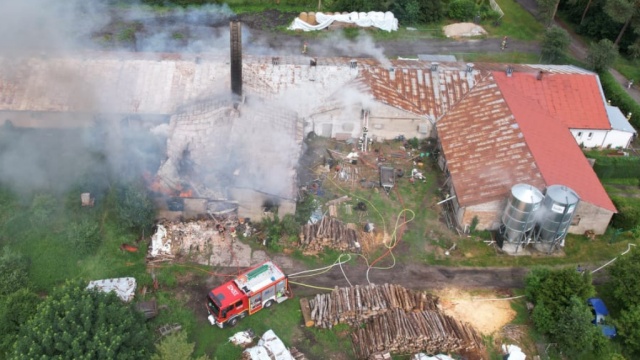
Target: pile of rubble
[208, 242]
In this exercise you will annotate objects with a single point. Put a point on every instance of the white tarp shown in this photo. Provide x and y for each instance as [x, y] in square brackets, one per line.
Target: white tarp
[270, 347]
[514, 351]
[158, 246]
[242, 338]
[423, 356]
[125, 288]
[382, 20]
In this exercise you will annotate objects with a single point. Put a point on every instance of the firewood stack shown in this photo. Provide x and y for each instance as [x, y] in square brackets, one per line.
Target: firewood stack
[427, 331]
[353, 305]
[329, 232]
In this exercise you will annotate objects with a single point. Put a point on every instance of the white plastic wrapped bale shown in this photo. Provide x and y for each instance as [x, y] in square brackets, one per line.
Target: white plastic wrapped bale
[381, 20]
[125, 288]
[270, 347]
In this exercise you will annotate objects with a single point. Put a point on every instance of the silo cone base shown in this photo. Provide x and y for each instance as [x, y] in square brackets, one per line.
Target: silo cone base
[515, 250]
[546, 247]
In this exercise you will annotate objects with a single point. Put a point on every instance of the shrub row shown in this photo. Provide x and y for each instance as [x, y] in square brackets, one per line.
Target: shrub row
[619, 97]
[617, 167]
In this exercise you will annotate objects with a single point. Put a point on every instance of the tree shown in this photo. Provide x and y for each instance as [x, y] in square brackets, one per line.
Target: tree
[414, 11]
[555, 288]
[175, 347]
[462, 9]
[14, 272]
[628, 327]
[555, 43]
[547, 10]
[75, 323]
[573, 331]
[16, 309]
[602, 55]
[622, 11]
[624, 280]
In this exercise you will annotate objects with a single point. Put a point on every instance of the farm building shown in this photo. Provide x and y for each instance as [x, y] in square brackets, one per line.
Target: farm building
[497, 126]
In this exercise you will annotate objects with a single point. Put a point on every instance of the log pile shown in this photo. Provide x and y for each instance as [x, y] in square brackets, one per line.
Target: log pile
[353, 305]
[428, 331]
[329, 232]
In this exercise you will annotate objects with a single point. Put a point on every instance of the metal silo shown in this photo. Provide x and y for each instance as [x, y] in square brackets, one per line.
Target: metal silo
[519, 215]
[558, 208]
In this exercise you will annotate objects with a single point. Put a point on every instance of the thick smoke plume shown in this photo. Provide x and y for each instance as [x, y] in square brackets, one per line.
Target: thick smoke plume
[99, 134]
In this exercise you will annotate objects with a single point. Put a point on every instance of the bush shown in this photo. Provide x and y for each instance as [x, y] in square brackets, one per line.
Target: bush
[43, 208]
[14, 272]
[85, 236]
[617, 167]
[462, 9]
[628, 216]
[16, 310]
[134, 205]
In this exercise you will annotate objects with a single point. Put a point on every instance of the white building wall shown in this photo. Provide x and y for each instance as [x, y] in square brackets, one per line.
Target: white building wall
[589, 138]
[385, 122]
[617, 139]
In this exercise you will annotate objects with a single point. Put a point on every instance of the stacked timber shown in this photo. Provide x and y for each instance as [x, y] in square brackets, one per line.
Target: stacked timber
[353, 305]
[331, 233]
[427, 331]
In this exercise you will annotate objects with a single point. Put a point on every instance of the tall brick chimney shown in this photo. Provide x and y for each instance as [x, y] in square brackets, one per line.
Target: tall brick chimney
[236, 57]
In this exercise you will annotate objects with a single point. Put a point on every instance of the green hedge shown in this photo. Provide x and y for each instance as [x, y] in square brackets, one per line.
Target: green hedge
[619, 97]
[617, 167]
[628, 216]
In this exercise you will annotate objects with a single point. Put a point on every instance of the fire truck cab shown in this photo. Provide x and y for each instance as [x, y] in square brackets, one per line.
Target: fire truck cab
[257, 288]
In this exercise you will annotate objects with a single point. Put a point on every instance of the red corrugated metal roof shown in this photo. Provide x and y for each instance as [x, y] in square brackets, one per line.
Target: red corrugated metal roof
[484, 147]
[554, 149]
[574, 99]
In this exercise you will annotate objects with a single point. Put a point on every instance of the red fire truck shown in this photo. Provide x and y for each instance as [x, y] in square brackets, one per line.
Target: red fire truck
[257, 288]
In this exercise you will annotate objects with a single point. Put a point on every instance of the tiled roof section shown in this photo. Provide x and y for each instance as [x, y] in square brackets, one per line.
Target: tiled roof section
[554, 149]
[485, 150]
[533, 68]
[574, 99]
[417, 89]
[158, 84]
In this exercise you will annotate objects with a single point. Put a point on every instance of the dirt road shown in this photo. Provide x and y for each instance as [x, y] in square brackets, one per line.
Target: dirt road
[417, 276]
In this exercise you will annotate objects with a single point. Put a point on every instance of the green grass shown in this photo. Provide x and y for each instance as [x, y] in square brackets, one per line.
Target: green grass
[578, 250]
[629, 68]
[284, 319]
[503, 57]
[517, 23]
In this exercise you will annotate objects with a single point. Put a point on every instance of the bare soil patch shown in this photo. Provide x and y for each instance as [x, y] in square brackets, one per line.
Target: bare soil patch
[488, 317]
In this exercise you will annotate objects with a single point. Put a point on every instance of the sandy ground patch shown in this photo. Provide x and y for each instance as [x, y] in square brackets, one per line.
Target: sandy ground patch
[486, 316]
[463, 29]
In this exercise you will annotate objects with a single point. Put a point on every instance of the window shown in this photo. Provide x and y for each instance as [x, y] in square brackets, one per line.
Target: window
[579, 134]
[575, 221]
[590, 135]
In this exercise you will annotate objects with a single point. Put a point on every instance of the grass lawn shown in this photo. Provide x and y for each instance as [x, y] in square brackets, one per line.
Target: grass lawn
[503, 57]
[517, 23]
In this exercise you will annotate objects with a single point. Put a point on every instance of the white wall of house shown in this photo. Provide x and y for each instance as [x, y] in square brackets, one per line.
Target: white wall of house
[617, 139]
[589, 138]
[488, 214]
